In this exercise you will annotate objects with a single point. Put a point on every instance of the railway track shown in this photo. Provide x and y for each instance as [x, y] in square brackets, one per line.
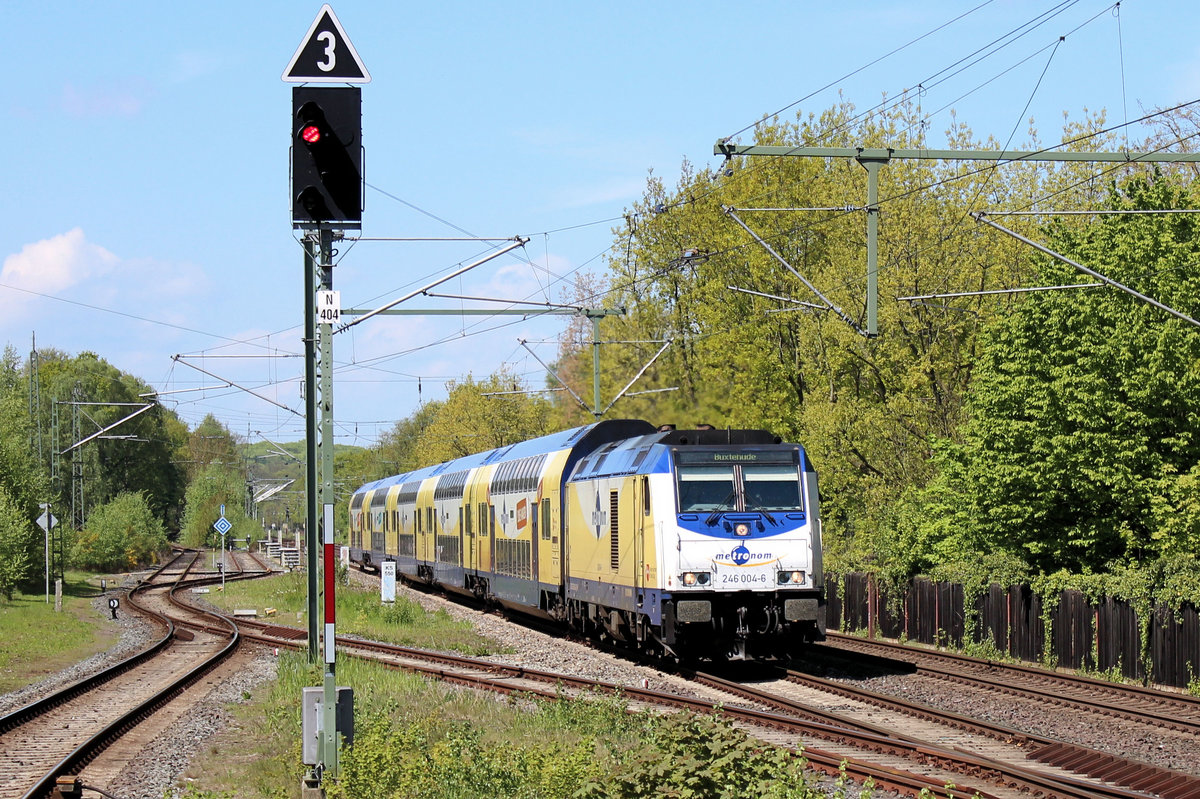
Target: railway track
[70, 731]
[841, 704]
[1164, 709]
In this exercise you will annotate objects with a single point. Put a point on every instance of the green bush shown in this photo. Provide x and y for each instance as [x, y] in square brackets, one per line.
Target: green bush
[685, 755]
[584, 748]
[120, 535]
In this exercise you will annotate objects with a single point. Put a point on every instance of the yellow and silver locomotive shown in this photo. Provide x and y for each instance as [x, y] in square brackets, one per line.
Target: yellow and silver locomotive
[699, 543]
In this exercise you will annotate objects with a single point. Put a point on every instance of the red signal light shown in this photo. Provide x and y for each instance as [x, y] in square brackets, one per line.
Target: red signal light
[310, 134]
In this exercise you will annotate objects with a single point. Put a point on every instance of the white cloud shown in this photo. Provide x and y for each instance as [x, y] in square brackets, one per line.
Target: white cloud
[191, 64]
[624, 190]
[115, 100]
[57, 263]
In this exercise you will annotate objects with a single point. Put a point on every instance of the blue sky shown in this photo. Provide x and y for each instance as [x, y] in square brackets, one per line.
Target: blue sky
[146, 160]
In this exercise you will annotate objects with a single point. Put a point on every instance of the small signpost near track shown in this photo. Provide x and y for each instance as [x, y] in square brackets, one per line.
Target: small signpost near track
[47, 522]
[222, 526]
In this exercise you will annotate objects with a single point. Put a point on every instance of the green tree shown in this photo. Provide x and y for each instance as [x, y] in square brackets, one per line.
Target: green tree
[212, 443]
[1083, 439]
[399, 449]
[23, 480]
[213, 486]
[139, 455]
[122, 534]
[469, 422]
[16, 536]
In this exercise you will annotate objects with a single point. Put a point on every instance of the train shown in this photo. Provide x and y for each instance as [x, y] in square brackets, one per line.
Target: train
[699, 544]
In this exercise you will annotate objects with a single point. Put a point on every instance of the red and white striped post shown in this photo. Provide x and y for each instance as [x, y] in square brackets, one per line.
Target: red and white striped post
[329, 733]
[330, 578]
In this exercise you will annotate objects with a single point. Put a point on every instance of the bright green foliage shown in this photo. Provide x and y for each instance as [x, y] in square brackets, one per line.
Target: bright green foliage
[469, 422]
[1083, 437]
[399, 448]
[212, 444]
[23, 482]
[120, 535]
[16, 532]
[433, 758]
[213, 486]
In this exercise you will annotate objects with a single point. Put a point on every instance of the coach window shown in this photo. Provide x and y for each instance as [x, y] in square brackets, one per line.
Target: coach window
[546, 519]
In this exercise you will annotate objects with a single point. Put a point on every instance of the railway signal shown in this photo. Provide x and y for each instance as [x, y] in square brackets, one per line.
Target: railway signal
[327, 154]
[327, 183]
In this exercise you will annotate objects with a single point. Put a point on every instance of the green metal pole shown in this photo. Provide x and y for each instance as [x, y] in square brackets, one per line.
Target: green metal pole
[872, 166]
[596, 366]
[310, 440]
[329, 734]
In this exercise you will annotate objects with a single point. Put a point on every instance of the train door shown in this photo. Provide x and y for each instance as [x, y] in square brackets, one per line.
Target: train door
[468, 524]
[546, 533]
[641, 507]
[462, 543]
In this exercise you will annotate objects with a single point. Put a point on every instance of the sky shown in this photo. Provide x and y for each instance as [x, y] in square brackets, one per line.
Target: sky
[147, 207]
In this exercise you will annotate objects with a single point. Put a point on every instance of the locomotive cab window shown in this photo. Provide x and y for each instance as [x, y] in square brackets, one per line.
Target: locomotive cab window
[705, 487]
[771, 487]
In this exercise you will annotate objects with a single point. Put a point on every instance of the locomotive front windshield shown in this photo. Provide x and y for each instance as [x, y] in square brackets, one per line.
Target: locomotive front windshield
[709, 487]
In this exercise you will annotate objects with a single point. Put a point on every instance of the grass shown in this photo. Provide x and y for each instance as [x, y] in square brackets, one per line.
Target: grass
[38, 641]
[359, 613]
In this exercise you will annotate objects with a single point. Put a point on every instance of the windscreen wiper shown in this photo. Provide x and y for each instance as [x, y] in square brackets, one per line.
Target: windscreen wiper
[721, 506]
[755, 503]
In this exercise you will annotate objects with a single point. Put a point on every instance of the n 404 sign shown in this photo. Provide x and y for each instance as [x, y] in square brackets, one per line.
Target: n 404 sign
[329, 307]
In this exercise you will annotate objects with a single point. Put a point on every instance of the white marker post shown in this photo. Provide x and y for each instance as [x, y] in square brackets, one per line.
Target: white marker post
[47, 521]
[222, 526]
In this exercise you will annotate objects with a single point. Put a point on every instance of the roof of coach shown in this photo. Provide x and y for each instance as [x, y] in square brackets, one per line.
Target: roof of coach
[582, 439]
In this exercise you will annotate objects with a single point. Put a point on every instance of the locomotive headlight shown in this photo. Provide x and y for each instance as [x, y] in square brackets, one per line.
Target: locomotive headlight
[790, 578]
[742, 529]
[695, 578]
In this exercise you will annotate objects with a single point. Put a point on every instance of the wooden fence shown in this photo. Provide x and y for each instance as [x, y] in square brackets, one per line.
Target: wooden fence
[1098, 637]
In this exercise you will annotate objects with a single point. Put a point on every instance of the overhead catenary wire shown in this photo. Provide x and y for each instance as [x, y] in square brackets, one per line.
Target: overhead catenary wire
[998, 43]
[866, 66]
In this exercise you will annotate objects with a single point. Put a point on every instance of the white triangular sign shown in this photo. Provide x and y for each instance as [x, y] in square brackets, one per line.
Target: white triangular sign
[326, 55]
